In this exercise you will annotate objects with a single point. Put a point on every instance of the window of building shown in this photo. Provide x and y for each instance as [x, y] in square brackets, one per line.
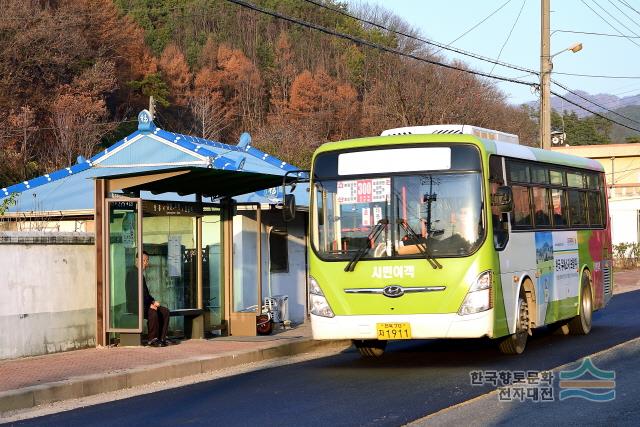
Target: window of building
[278, 250]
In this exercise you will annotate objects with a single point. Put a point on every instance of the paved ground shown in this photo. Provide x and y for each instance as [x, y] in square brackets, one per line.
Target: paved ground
[626, 280]
[33, 381]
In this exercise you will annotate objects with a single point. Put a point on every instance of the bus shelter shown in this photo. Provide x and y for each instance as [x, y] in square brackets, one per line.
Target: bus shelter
[190, 246]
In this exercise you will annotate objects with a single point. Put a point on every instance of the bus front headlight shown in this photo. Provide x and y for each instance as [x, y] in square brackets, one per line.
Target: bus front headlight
[479, 296]
[317, 301]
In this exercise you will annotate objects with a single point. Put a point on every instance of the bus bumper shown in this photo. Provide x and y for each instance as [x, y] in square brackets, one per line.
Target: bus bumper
[450, 325]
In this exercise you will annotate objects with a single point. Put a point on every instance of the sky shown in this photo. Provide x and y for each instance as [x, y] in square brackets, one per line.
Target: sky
[516, 40]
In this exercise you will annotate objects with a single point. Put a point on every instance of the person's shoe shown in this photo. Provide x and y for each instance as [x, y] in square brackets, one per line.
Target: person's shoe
[167, 342]
[155, 343]
[164, 343]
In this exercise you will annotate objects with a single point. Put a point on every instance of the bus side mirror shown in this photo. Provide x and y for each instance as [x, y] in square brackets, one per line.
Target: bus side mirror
[502, 199]
[289, 207]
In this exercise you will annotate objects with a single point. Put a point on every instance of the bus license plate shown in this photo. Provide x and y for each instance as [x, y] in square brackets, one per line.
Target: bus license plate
[394, 331]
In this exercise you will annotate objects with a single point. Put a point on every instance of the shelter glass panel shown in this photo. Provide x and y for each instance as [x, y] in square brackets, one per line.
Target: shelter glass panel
[169, 237]
[245, 264]
[123, 298]
[212, 272]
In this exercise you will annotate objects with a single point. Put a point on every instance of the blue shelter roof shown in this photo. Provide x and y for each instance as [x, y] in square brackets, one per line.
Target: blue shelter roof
[148, 149]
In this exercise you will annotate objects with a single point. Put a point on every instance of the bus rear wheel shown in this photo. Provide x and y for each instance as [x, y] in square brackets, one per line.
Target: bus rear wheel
[581, 324]
[515, 343]
[370, 348]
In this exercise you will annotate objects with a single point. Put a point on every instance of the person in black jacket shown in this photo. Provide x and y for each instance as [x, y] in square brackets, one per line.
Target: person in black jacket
[157, 316]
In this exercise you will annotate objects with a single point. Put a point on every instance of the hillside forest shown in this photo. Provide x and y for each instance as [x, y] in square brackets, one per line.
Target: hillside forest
[75, 73]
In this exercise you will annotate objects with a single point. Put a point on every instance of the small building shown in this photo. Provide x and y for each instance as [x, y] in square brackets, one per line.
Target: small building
[621, 163]
[209, 215]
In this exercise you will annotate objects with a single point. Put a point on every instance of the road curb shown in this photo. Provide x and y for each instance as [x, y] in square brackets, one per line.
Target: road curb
[88, 385]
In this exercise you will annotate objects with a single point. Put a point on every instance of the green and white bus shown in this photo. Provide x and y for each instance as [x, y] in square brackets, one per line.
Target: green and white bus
[454, 232]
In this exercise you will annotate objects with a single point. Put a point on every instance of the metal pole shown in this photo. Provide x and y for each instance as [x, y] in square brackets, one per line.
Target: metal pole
[545, 77]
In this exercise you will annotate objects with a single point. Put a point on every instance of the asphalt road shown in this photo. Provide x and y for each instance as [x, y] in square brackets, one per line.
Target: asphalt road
[621, 410]
[412, 380]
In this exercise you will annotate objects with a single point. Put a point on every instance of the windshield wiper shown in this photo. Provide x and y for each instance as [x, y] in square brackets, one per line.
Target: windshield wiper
[373, 236]
[422, 247]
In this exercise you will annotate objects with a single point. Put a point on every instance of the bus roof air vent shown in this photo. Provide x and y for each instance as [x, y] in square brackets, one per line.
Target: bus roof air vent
[494, 135]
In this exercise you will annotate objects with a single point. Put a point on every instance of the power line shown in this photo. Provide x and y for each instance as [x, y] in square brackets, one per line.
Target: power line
[614, 18]
[363, 42]
[397, 52]
[594, 113]
[590, 33]
[479, 23]
[439, 45]
[598, 76]
[594, 103]
[608, 23]
[623, 13]
[629, 6]
[461, 51]
[509, 35]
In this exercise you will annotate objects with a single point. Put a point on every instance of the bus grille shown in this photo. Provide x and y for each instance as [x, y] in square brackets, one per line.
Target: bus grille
[606, 275]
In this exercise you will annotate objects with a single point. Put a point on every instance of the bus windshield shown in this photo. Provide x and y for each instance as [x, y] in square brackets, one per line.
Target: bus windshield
[437, 214]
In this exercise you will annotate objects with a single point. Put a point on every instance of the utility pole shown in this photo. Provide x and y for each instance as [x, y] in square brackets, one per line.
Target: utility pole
[545, 77]
[152, 107]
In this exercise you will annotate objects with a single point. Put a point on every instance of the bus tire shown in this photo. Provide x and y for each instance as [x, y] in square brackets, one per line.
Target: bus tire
[581, 324]
[370, 348]
[516, 343]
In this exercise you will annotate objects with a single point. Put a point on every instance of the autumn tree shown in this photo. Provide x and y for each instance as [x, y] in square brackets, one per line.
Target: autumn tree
[79, 114]
[207, 104]
[176, 73]
[242, 88]
[319, 99]
[283, 74]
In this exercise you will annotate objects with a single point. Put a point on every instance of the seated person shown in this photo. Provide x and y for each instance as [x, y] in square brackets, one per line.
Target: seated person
[157, 316]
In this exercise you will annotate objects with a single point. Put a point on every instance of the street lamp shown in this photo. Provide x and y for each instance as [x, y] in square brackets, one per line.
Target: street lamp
[545, 94]
[545, 75]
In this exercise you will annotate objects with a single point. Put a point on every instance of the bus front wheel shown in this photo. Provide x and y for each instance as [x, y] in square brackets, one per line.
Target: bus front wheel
[581, 324]
[515, 343]
[370, 348]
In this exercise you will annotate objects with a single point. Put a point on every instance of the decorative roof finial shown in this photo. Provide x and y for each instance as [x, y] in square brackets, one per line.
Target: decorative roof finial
[145, 121]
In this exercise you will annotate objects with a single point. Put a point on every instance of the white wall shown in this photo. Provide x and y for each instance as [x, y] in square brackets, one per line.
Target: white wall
[47, 294]
[624, 220]
[292, 283]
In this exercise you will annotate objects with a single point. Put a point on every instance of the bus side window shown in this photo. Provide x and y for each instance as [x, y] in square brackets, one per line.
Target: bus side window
[499, 220]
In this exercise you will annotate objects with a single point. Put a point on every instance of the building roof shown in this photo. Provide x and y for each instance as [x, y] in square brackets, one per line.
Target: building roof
[146, 150]
[601, 151]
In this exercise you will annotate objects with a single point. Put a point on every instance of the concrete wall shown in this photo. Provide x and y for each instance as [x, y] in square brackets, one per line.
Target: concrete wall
[47, 293]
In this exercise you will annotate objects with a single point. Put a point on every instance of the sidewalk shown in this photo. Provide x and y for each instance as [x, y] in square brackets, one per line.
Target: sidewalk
[32, 381]
[626, 280]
